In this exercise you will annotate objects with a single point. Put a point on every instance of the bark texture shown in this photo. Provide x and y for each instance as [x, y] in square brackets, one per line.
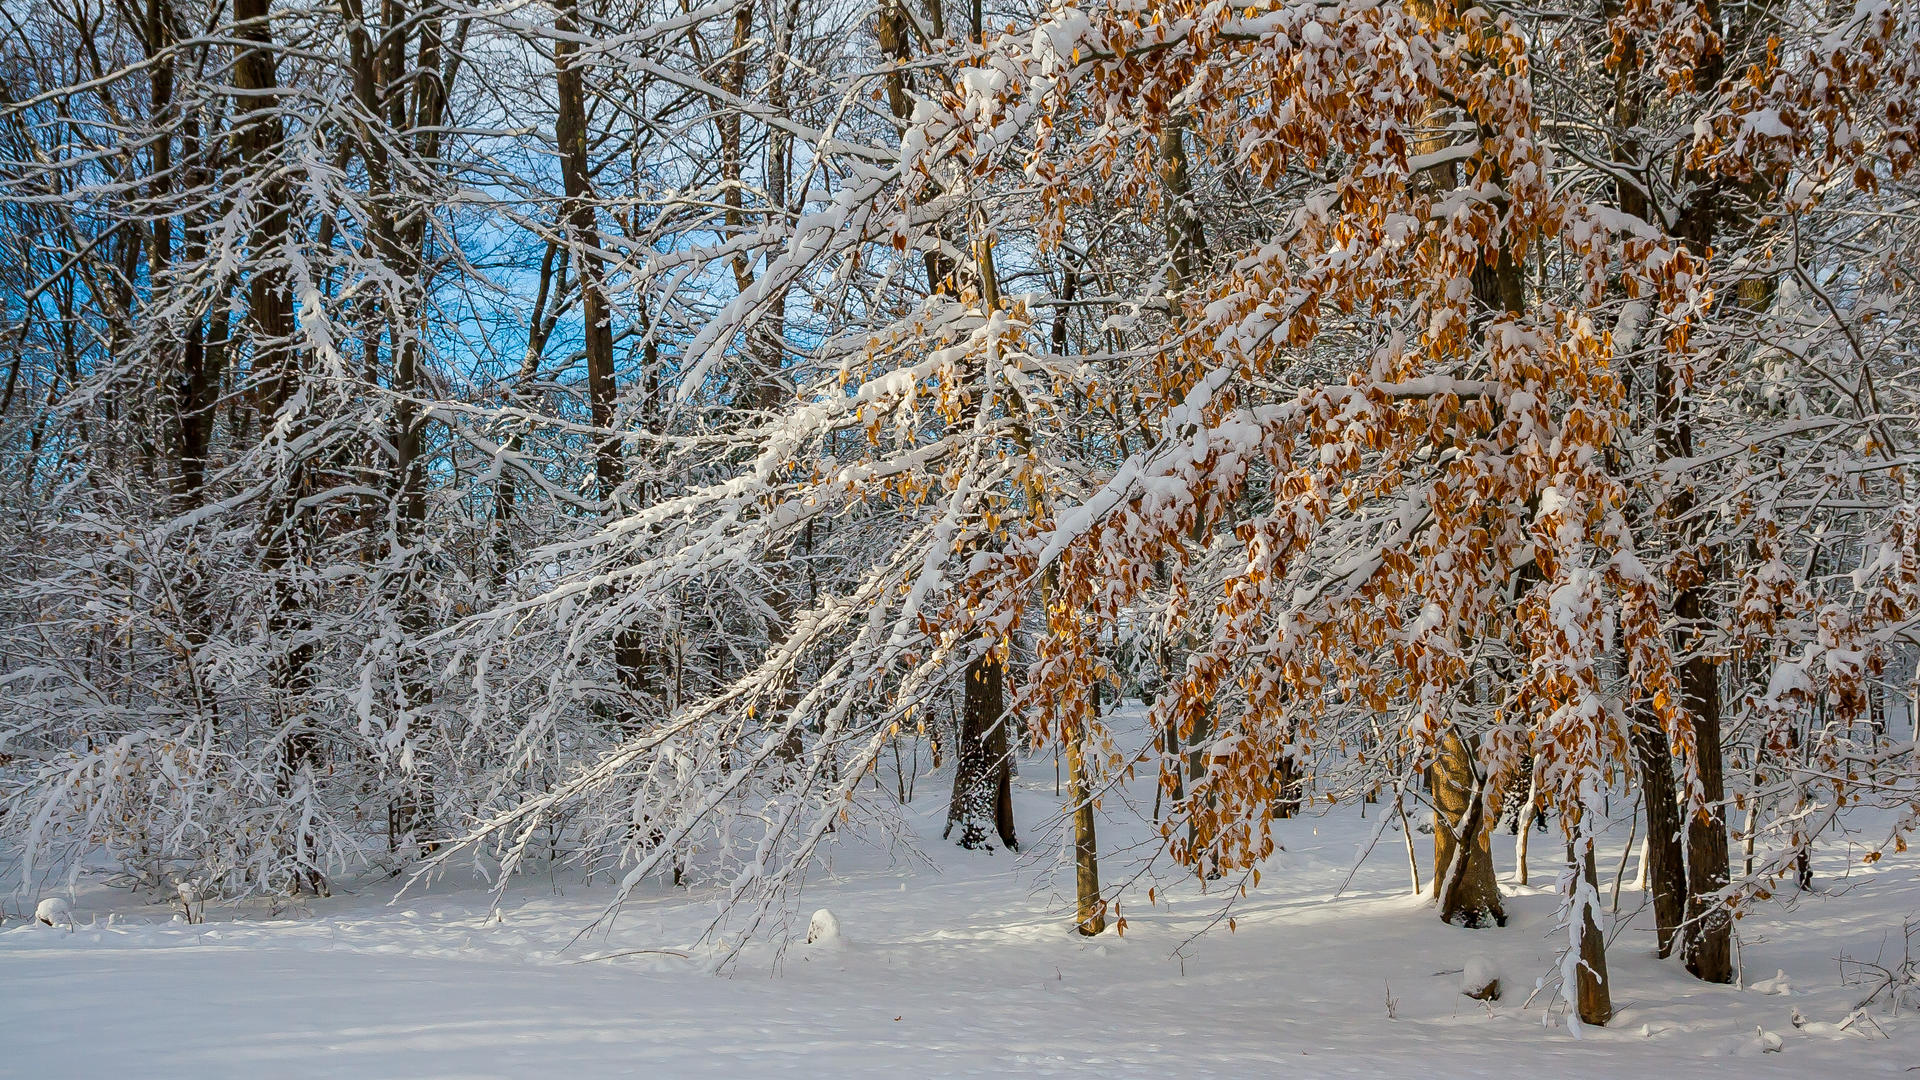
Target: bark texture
[1463, 879]
[982, 804]
[1665, 866]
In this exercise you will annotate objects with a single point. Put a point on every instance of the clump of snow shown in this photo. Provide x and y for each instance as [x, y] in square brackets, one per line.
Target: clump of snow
[1776, 985]
[1845, 1029]
[1760, 1042]
[54, 911]
[823, 929]
[1481, 979]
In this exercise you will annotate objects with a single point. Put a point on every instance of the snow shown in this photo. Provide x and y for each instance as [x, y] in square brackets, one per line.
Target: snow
[1761, 1041]
[54, 911]
[1845, 1029]
[967, 966]
[824, 929]
[1481, 977]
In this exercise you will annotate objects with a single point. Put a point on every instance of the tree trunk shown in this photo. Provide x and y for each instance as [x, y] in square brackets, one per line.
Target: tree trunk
[1185, 237]
[1090, 909]
[1709, 948]
[982, 803]
[894, 30]
[1197, 768]
[1288, 787]
[1662, 865]
[1406, 834]
[632, 660]
[1709, 938]
[1593, 1000]
[553, 272]
[1463, 879]
[570, 130]
[1523, 834]
[260, 135]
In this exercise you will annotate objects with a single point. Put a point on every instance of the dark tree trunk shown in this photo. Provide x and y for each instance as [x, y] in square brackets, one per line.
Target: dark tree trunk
[1207, 862]
[633, 661]
[1666, 868]
[1720, 204]
[570, 130]
[553, 272]
[1709, 938]
[260, 134]
[1287, 785]
[1593, 999]
[1709, 948]
[894, 30]
[982, 804]
[1186, 239]
[1090, 909]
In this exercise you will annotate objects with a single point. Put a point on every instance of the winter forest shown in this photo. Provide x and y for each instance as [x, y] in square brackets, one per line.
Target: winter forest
[1302, 494]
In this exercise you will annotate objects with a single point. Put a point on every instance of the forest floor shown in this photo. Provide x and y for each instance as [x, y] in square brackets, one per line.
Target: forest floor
[953, 965]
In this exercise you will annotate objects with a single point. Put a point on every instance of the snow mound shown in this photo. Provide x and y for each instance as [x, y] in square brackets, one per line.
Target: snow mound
[1760, 1042]
[54, 911]
[1845, 1029]
[1776, 985]
[1480, 979]
[824, 929]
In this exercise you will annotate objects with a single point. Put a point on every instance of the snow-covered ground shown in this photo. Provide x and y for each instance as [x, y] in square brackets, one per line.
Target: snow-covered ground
[964, 966]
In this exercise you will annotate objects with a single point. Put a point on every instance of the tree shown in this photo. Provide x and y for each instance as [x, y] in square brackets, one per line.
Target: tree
[601, 431]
